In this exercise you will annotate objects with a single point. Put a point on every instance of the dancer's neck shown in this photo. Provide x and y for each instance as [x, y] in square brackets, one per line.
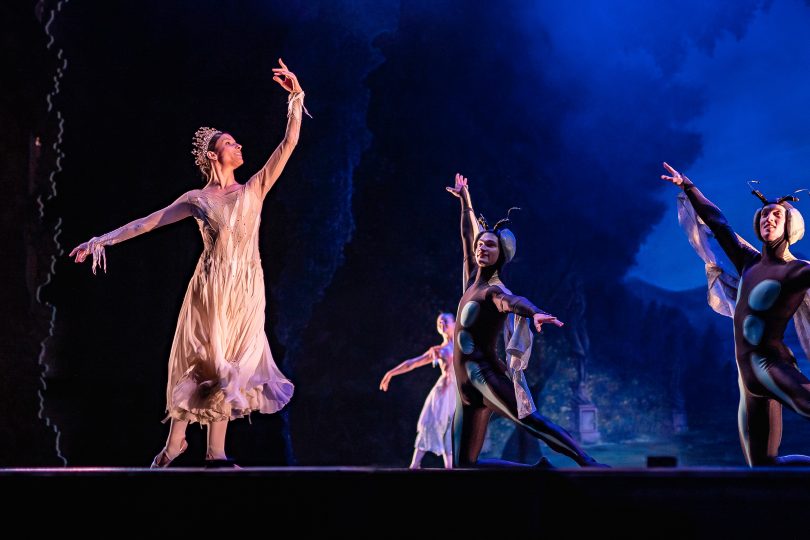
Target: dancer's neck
[488, 274]
[777, 251]
[221, 178]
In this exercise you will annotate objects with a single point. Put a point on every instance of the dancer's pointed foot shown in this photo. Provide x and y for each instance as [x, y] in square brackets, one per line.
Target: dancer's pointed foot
[164, 459]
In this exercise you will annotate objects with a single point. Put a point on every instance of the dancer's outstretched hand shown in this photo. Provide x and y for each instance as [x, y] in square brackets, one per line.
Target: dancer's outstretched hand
[676, 178]
[461, 183]
[80, 252]
[385, 382]
[92, 247]
[286, 78]
[540, 319]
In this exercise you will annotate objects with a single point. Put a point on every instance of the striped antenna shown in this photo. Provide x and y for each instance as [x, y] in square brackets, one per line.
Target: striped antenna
[757, 192]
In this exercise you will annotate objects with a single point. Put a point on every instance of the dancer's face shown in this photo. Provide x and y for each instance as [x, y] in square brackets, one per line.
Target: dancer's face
[228, 151]
[487, 250]
[445, 324]
[772, 222]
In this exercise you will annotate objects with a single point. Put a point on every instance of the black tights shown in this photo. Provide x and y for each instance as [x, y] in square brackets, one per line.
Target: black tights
[760, 416]
[495, 392]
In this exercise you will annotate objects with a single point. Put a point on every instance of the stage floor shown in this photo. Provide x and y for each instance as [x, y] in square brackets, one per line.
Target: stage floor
[598, 503]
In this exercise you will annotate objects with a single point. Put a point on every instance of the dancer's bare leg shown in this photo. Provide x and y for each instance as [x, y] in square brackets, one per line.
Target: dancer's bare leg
[447, 456]
[448, 460]
[216, 440]
[175, 444]
[416, 461]
[177, 437]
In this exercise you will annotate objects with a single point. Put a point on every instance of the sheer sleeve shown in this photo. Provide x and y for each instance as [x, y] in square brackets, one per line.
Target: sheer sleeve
[738, 253]
[179, 209]
[261, 182]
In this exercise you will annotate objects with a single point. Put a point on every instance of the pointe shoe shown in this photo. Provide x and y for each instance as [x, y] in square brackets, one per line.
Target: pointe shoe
[163, 460]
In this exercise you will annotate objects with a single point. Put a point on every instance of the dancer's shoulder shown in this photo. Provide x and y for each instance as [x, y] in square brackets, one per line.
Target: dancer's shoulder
[498, 287]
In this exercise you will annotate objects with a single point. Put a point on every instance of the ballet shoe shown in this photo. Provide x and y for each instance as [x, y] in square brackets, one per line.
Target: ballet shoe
[163, 460]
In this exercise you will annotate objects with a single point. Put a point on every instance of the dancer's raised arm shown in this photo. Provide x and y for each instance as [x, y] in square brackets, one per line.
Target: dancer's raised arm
[469, 227]
[267, 176]
[711, 215]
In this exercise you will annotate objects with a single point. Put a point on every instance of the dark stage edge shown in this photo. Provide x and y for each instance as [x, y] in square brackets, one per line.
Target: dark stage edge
[615, 503]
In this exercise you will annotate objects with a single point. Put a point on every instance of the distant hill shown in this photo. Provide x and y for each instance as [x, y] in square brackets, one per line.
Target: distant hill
[691, 302]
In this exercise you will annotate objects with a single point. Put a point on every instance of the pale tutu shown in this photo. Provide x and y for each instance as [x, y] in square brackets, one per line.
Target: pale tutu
[436, 420]
[220, 366]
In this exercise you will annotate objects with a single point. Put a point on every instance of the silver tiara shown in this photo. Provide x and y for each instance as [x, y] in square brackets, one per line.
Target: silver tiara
[202, 138]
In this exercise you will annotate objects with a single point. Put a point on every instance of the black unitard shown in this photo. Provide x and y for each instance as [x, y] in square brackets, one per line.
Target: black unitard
[770, 291]
[481, 378]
